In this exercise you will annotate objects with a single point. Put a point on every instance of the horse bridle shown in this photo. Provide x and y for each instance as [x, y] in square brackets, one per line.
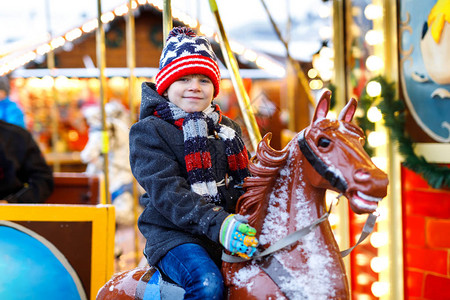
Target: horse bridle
[336, 181]
[325, 171]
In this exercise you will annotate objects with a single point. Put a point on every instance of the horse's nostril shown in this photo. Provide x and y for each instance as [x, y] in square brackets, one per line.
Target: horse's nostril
[361, 175]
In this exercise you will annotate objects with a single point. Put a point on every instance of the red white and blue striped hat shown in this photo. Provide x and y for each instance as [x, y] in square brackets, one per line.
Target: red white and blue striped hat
[186, 53]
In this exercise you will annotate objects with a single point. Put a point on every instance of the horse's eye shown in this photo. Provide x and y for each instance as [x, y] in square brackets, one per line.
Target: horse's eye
[323, 142]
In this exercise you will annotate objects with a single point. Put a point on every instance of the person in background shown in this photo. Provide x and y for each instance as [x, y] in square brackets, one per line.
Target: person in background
[9, 111]
[191, 161]
[25, 176]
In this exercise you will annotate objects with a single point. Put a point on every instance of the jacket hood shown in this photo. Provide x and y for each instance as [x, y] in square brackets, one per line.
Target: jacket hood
[149, 100]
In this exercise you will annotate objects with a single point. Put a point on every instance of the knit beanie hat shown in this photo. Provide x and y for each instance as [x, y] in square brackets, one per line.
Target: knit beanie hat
[186, 53]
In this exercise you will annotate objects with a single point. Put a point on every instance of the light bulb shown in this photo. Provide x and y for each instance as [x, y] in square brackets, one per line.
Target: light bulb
[378, 239]
[376, 139]
[374, 63]
[324, 11]
[363, 279]
[374, 37]
[378, 264]
[379, 288]
[47, 82]
[332, 115]
[312, 73]
[380, 162]
[373, 88]
[316, 84]
[373, 12]
[361, 259]
[250, 55]
[374, 114]
[61, 83]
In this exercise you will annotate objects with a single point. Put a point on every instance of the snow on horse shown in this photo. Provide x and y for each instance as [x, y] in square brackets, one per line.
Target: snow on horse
[285, 201]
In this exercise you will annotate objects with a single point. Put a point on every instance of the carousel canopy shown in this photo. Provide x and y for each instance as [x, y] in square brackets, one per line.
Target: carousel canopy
[26, 24]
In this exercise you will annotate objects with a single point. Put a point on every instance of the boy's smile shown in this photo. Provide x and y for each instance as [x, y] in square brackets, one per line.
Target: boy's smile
[191, 93]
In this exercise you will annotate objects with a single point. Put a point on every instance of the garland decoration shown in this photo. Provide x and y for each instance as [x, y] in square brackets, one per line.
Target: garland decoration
[332, 89]
[364, 103]
[114, 37]
[393, 111]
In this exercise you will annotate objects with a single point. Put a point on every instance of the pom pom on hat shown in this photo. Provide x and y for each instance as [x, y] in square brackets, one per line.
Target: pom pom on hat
[186, 53]
[179, 31]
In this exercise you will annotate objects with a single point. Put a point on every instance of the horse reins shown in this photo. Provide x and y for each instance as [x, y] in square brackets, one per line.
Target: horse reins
[290, 239]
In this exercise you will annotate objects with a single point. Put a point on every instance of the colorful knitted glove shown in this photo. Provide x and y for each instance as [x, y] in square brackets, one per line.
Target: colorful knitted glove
[237, 236]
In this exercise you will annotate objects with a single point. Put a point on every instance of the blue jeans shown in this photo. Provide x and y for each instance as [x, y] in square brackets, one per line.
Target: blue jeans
[190, 266]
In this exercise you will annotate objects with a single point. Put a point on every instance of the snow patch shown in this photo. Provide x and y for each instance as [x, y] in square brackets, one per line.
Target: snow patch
[314, 281]
[242, 278]
[311, 280]
[275, 223]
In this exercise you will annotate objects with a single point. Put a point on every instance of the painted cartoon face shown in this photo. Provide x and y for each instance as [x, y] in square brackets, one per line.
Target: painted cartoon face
[191, 93]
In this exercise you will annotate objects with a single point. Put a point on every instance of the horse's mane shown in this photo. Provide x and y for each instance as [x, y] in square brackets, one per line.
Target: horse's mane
[264, 167]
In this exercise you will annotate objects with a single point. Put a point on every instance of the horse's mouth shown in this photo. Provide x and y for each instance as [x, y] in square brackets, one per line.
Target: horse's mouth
[365, 202]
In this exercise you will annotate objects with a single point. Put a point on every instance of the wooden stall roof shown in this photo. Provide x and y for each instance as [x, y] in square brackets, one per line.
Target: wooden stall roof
[78, 58]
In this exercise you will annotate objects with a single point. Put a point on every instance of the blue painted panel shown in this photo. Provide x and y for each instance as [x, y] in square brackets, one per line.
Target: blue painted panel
[30, 270]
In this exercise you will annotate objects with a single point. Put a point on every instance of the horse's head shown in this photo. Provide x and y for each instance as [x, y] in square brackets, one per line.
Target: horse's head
[337, 159]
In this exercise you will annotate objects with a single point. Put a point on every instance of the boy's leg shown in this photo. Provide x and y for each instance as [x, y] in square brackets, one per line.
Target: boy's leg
[190, 266]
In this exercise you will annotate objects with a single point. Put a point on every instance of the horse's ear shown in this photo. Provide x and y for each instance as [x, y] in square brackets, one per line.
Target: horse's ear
[348, 111]
[322, 106]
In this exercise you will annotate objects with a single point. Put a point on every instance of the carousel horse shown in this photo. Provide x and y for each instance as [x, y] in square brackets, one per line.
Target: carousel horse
[120, 175]
[285, 201]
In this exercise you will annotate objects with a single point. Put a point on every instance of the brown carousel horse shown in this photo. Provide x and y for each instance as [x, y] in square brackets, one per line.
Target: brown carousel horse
[285, 201]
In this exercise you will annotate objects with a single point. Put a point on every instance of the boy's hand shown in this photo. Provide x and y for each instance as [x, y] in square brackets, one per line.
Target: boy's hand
[237, 236]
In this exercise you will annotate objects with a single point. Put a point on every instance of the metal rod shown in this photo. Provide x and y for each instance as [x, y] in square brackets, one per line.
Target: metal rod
[340, 77]
[131, 64]
[167, 20]
[101, 62]
[54, 107]
[241, 93]
[298, 70]
[340, 95]
[394, 225]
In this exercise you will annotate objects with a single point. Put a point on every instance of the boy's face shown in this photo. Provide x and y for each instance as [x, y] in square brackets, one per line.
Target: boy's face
[191, 93]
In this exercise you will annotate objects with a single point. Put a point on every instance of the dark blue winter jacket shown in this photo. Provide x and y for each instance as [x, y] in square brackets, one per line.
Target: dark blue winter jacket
[173, 214]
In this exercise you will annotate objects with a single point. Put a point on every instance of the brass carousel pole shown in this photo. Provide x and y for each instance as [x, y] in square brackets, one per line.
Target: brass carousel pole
[101, 61]
[301, 76]
[393, 224]
[341, 94]
[241, 93]
[54, 107]
[167, 20]
[131, 63]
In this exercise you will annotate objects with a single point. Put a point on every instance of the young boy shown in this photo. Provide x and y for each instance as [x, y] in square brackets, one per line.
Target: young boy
[190, 159]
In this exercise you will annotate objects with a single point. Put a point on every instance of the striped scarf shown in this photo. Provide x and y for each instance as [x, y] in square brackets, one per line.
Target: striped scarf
[197, 127]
